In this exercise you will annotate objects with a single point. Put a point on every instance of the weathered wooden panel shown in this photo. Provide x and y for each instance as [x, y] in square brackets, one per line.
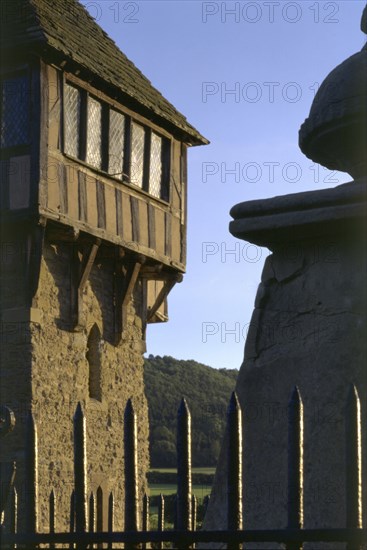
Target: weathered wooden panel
[135, 222]
[176, 239]
[110, 199]
[82, 197]
[168, 234]
[72, 182]
[63, 189]
[126, 218]
[19, 182]
[53, 187]
[101, 205]
[153, 290]
[151, 226]
[176, 175]
[92, 201]
[143, 223]
[160, 230]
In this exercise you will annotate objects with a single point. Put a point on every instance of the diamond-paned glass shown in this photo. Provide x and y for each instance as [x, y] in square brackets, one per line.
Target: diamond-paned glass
[14, 111]
[155, 172]
[71, 120]
[116, 144]
[137, 154]
[94, 133]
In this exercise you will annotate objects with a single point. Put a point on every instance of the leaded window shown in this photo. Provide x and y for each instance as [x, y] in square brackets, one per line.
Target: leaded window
[14, 111]
[155, 166]
[94, 133]
[137, 154]
[116, 144]
[111, 141]
[71, 120]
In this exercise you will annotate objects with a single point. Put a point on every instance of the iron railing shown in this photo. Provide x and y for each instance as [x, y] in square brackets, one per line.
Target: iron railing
[82, 534]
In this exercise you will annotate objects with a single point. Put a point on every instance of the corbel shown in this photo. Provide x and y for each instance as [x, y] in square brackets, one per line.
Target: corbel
[84, 272]
[169, 283]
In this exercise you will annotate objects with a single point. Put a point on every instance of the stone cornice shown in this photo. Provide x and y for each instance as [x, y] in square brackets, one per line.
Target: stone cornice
[302, 216]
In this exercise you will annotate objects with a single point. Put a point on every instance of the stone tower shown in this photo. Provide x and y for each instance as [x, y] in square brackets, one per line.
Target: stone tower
[308, 327]
[93, 238]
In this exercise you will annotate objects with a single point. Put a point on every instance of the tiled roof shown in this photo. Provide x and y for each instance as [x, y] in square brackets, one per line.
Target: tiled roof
[64, 28]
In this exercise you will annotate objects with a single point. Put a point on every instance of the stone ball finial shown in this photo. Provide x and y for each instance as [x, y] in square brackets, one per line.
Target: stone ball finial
[335, 132]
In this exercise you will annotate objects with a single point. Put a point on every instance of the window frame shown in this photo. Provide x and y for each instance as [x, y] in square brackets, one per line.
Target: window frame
[129, 120]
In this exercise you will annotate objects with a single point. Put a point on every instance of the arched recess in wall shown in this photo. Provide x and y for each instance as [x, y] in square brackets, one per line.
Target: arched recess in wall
[93, 356]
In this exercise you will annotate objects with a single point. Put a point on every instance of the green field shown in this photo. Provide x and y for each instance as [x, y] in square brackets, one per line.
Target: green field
[201, 470]
[199, 490]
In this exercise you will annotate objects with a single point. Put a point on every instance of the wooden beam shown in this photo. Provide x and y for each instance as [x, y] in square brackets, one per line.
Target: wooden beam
[88, 265]
[80, 279]
[125, 281]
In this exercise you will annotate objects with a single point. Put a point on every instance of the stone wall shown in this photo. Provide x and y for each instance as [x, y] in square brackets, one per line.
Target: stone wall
[51, 375]
[308, 329]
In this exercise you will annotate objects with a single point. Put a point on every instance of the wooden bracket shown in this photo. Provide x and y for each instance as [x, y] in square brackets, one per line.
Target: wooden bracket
[166, 289]
[84, 272]
[125, 281]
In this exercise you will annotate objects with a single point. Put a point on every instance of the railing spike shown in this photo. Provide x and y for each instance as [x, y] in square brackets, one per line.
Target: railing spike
[146, 525]
[80, 470]
[110, 517]
[234, 468]
[353, 463]
[131, 470]
[295, 464]
[31, 474]
[184, 486]
[52, 515]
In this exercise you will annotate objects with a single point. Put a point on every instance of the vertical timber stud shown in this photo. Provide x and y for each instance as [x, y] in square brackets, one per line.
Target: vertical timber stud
[31, 476]
[295, 465]
[353, 460]
[80, 472]
[234, 469]
[184, 515]
[131, 472]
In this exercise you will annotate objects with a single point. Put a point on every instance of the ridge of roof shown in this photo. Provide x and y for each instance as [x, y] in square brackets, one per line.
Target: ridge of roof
[66, 28]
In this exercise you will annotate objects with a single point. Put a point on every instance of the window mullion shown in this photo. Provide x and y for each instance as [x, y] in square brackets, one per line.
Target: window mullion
[127, 151]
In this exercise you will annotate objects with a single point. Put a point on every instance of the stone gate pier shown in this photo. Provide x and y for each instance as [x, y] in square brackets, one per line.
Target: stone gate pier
[308, 327]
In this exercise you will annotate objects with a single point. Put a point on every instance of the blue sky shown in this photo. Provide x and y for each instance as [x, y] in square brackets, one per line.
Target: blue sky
[244, 74]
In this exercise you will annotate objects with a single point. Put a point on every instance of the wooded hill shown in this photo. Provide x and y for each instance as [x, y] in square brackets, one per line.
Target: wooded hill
[207, 392]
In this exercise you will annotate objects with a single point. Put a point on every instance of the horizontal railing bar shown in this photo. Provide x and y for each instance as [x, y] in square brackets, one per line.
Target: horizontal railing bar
[357, 536]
